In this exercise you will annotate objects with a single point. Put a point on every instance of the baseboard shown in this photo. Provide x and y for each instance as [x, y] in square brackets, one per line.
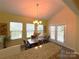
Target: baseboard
[62, 44]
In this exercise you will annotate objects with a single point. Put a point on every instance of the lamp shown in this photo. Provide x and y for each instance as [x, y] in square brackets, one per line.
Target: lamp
[36, 21]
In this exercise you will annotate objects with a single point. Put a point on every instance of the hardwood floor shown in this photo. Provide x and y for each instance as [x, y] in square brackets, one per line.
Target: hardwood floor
[47, 51]
[66, 56]
[65, 53]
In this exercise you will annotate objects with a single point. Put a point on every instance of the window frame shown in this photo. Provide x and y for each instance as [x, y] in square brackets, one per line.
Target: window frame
[41, 30]
[26, 28]
[16, 30]
[56, 32]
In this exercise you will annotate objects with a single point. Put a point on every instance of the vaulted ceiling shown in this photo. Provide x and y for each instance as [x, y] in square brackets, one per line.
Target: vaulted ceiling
[76, 3]
[73, 5]
[46, 9]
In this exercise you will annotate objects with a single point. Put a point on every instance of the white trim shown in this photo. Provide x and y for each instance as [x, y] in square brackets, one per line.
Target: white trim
[62, 44]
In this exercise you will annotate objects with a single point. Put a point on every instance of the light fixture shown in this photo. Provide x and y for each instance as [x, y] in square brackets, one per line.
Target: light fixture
[36, 21]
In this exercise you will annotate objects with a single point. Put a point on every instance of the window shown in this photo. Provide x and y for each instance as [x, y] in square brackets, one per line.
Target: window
[52, 32]
[15, 30]
[40, 28]
[57, 33]
[29, 29]
[60, 33]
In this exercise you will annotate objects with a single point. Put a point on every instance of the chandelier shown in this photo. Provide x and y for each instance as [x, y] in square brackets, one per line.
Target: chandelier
[37, 21]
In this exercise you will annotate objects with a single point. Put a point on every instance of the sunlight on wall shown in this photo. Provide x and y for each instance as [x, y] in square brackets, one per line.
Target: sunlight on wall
[66, 17]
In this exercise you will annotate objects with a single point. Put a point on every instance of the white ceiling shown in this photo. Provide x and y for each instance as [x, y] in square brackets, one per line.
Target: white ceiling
[46, 9]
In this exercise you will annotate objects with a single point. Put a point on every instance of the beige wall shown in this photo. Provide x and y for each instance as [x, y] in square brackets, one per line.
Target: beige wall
[77, 40]
[6, 18]
[68, 18]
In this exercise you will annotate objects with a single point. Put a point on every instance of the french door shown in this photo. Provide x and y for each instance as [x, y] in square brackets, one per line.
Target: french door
[57, 32]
